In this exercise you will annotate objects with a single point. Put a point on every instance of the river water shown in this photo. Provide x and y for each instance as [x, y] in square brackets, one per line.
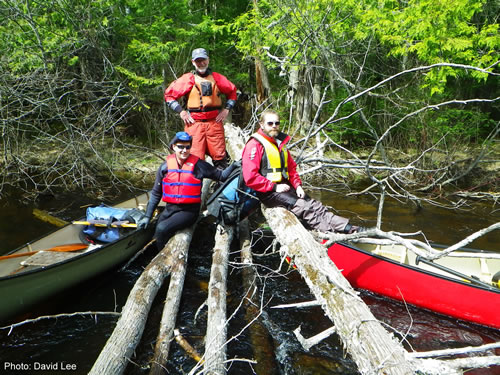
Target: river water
[75, 342]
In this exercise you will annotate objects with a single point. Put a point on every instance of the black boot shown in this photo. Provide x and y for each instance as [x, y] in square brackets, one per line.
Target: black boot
[222, 163]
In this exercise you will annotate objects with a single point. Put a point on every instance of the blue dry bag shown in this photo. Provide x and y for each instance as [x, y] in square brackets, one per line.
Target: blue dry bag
[110, 215]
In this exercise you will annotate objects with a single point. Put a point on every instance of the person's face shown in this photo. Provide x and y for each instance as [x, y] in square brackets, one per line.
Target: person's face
[271, 125]
[201, 65]
[182, 150]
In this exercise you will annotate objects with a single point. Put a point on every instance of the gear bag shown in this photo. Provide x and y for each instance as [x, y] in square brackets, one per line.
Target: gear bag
[233, 200]
[109, 214]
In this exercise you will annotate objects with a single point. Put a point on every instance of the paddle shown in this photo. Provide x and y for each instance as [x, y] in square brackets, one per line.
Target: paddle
[63, 248]
[471, 279]
[105, 223]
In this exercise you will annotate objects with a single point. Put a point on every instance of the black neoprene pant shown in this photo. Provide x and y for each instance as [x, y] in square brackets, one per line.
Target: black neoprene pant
[170, 221]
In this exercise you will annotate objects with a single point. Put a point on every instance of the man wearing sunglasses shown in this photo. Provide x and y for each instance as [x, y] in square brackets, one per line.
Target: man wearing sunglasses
[178, 183]
[270, 170]
[204, 116]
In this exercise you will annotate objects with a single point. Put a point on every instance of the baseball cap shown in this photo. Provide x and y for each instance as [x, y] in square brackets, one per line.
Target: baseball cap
[180, 137]
[199, 53]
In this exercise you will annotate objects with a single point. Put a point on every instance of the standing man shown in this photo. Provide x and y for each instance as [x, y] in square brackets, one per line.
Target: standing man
[178, 183]
[269, 169]
[204, 116]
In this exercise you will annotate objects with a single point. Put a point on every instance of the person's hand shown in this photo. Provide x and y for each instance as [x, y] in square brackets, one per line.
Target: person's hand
[222, 115]
[142, 223]
[186, 117]
[300, 192]
[281, 188]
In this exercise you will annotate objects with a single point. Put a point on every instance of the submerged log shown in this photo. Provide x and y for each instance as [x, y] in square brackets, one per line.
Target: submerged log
[263, 350]
[45, 216]
[188, 348]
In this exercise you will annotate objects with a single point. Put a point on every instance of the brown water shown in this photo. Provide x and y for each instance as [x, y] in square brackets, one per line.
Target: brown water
[78, 340]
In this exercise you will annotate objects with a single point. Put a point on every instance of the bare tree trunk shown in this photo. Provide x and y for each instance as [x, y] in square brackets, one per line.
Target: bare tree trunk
[215, 339]
[262, 82]
[170, 310]
[316, 94]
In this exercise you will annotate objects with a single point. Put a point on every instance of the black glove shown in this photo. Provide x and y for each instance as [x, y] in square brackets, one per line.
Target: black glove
[143, 222]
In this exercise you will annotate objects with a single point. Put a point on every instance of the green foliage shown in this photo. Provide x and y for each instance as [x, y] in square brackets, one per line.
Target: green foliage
[461, 125]
[437, 31]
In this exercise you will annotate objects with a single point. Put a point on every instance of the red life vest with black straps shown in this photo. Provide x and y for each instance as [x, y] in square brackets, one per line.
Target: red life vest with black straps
[179, 184]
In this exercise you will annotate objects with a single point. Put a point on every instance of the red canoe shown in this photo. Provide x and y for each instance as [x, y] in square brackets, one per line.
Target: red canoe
[463, 287]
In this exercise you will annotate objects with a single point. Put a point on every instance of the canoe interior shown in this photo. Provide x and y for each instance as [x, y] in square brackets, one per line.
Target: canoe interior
[465, 261]
[69, 234]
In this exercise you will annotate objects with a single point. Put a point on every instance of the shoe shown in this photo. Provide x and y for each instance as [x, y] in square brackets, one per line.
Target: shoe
[350, 229]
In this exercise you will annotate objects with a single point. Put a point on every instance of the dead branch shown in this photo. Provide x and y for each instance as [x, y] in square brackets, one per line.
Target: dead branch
[10, 327]
[310, 342]
[455, 351]
[466, 241]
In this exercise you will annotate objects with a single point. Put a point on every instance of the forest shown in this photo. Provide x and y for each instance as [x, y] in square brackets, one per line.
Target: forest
[401, 94]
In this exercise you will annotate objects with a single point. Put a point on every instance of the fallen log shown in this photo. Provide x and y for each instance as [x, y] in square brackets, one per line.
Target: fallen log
[215, 339]
[261, 342]
[45, 216]
[373, 348]
[120, 346]
[170, 310]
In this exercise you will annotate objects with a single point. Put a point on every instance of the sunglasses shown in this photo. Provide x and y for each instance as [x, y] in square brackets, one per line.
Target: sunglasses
[183, 147]
[271, 123]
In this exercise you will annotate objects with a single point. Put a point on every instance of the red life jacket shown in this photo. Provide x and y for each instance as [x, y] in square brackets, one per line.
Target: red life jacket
[180, 185]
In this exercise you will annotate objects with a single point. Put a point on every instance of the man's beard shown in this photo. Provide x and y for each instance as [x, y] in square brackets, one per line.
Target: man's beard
[273, 133]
